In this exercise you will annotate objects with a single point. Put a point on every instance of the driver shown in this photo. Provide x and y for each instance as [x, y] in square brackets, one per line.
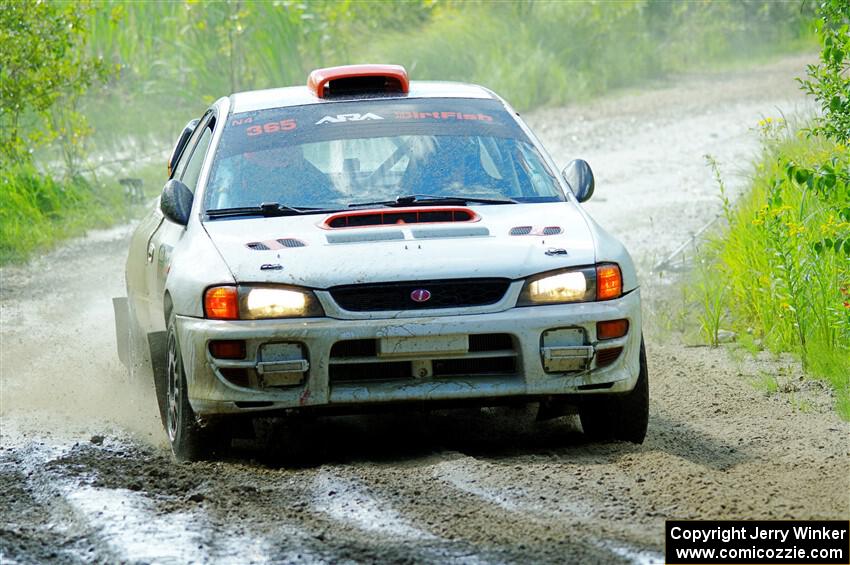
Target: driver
[447, 165]
[282, 174]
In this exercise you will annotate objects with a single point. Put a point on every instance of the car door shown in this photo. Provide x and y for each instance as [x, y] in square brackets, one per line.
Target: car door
[167, 234]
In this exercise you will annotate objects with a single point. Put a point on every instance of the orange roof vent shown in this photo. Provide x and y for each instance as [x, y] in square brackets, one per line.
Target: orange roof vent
[358, 79]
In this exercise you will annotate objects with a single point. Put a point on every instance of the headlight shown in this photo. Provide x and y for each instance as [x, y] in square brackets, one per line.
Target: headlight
[274, 303]
[260, 302]
[566, 287]
[572, 285]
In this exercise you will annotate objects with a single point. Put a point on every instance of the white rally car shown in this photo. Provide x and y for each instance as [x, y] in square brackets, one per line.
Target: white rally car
[364, 240]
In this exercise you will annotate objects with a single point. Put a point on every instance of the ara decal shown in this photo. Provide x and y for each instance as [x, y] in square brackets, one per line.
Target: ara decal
[348, 118]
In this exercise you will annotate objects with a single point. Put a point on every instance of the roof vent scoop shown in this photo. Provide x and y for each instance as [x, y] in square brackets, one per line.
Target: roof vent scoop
[349, 80]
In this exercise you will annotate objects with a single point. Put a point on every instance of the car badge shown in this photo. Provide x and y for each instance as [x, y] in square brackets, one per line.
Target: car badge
[420, 295]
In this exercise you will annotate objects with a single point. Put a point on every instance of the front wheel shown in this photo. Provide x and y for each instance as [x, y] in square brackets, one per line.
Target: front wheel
[189, 441]
[619, 416]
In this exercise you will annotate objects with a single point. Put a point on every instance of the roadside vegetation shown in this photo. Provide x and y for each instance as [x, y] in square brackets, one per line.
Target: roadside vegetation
[534, 53]
[779, 275]
[95, 91]
[44, 73]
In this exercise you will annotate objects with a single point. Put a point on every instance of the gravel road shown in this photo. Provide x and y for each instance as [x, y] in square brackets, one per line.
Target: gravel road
[85, 475]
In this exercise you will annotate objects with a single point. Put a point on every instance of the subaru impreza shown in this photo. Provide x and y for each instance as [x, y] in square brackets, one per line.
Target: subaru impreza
[364, 241]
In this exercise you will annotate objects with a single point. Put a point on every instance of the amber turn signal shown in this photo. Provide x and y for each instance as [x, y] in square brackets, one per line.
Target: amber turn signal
[227, 348]
[221, 303]
[611, 329]
[609, 281]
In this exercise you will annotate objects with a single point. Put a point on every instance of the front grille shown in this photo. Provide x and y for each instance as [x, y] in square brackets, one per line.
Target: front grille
[397, 370]
[490, 342]
[485, 366]
[398, 296]
[355, 348]
[357, 360]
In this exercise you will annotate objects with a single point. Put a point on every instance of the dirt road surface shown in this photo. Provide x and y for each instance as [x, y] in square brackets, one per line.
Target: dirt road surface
[85, 475]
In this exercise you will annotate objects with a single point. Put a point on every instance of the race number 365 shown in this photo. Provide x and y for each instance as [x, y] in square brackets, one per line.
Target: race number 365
[271, 127]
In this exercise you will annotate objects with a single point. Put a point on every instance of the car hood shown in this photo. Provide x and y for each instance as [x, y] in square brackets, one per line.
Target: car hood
[316, 256]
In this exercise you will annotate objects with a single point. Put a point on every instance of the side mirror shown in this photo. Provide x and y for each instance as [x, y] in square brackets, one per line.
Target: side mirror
[182, 141]
[580, 178]
[176, 202]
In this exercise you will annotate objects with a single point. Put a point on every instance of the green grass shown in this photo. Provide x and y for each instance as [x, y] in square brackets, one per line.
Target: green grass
[36, 210]
[766, 383]
[781, 265]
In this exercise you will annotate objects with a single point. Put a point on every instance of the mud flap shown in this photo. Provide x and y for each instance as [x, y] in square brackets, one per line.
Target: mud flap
[158, 342]
[122, 333]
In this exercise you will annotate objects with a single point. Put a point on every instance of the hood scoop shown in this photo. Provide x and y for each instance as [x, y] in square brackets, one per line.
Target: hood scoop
[424, 215]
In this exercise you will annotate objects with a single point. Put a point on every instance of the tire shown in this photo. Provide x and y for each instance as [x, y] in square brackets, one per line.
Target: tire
[188, 439]
[619, 416]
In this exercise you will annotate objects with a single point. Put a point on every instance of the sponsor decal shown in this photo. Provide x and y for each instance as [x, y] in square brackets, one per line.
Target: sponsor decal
[420, 295]
[271, 127]
[242, 121]
[348, 118]
[442, 116]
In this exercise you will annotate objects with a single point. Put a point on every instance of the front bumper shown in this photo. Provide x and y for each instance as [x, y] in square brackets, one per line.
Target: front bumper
[211, 393]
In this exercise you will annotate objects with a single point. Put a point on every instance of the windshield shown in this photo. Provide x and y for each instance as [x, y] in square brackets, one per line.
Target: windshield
[330, 156]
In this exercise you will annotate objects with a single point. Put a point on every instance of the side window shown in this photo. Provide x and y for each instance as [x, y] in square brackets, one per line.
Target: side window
[192, 170]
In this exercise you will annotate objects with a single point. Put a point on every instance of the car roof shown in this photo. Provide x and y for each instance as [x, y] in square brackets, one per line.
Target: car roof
[254, 100]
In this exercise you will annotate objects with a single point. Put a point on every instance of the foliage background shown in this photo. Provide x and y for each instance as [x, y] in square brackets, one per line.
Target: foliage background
[96, 90]
[183, 55]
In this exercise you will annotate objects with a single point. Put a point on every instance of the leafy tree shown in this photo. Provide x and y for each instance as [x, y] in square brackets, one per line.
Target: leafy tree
[44, 69]
[829, 81]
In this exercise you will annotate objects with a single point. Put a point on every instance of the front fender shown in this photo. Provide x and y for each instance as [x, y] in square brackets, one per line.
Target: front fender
[195, 265]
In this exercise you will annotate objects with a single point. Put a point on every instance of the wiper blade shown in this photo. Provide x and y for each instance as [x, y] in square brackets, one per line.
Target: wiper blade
[266, 209]
[432, 200]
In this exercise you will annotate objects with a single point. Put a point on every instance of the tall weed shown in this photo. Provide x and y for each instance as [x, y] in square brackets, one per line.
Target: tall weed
[784, 261]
